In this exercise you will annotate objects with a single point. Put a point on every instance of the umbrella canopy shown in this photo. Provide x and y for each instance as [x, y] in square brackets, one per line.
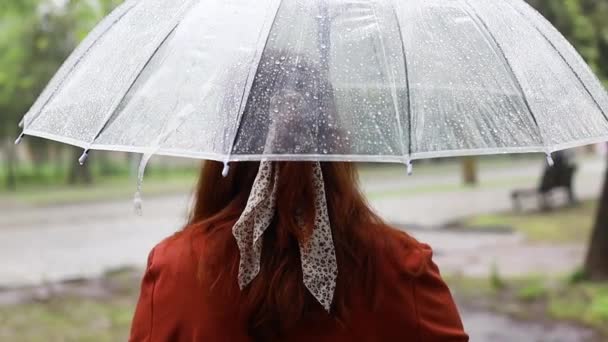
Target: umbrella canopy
[327, 80]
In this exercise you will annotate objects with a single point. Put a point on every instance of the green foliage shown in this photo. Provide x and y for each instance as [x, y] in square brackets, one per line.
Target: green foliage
[532, 291]
[16, 20]
[578, 276]
[597, 11]
[584, 23]
[599, 308]
[568, 17]
[496, 280]
[36, 36]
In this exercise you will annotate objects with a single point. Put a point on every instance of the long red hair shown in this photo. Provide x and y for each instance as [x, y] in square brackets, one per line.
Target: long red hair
[277, 299]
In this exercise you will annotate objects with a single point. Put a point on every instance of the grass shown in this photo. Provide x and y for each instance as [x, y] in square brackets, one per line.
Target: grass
[67, 318]
[449, 187]
[123, 188]
[536, 298]
[587, 303]
[46, 185]
[533, 290]
[119, 185]
[107, 189]
[567, 225]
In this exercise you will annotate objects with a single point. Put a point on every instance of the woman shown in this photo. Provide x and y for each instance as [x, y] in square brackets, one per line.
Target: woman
[290, 251]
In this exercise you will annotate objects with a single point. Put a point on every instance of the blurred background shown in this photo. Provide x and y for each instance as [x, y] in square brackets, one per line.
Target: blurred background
[523, 246]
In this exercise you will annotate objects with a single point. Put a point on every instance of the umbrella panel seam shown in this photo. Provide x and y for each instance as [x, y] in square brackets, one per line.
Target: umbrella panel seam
[562, 57]
[407, 81]
[251, 78]
[165, 35]
[391, 74]
[60, 83]
[506, 62]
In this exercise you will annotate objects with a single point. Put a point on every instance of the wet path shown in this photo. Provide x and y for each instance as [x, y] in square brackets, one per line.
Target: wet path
[484, 326]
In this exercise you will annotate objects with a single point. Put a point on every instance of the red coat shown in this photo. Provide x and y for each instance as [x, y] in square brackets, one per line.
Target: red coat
[173, 306]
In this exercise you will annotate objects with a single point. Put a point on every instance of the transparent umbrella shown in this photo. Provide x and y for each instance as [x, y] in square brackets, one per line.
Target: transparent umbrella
[323, 80]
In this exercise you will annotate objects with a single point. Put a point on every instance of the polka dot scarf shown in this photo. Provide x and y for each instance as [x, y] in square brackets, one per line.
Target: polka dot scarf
[319, 266]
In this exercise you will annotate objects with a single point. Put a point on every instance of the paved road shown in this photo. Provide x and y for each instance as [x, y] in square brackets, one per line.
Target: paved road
[434, 208]
[476, 254]
[483, 326]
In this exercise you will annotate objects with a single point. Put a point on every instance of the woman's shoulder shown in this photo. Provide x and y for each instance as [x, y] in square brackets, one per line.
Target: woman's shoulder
[179, 251]
[185, 249]
[414, 291]
[173, 302]
[402, 252]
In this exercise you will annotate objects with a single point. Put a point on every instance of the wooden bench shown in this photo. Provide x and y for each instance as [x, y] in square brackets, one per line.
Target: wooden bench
[559, 176]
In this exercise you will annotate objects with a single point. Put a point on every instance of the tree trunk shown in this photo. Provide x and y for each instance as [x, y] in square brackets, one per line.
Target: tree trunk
[134, 160]
[105, 164]
[79, 174]
[58, 161]
[469, 171]
[10, 157]
[596, 265]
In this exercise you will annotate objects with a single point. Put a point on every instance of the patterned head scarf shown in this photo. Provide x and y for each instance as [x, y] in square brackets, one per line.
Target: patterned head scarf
[318, 255]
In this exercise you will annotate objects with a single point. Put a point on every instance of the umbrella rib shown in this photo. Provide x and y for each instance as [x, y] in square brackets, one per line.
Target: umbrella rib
[511, 71]
[252, 73]
[392, 78]
[60, 83]
[117, 103]
[407, 81]
[561, 55]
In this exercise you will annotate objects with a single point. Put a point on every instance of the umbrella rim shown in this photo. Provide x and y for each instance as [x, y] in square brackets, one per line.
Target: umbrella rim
[403, 159]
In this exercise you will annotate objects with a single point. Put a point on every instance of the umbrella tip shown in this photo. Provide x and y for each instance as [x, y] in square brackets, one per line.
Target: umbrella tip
[19, 139]
[550, 161]
[410, 168]
[226, 169]
[83, 158]
[138, 204]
